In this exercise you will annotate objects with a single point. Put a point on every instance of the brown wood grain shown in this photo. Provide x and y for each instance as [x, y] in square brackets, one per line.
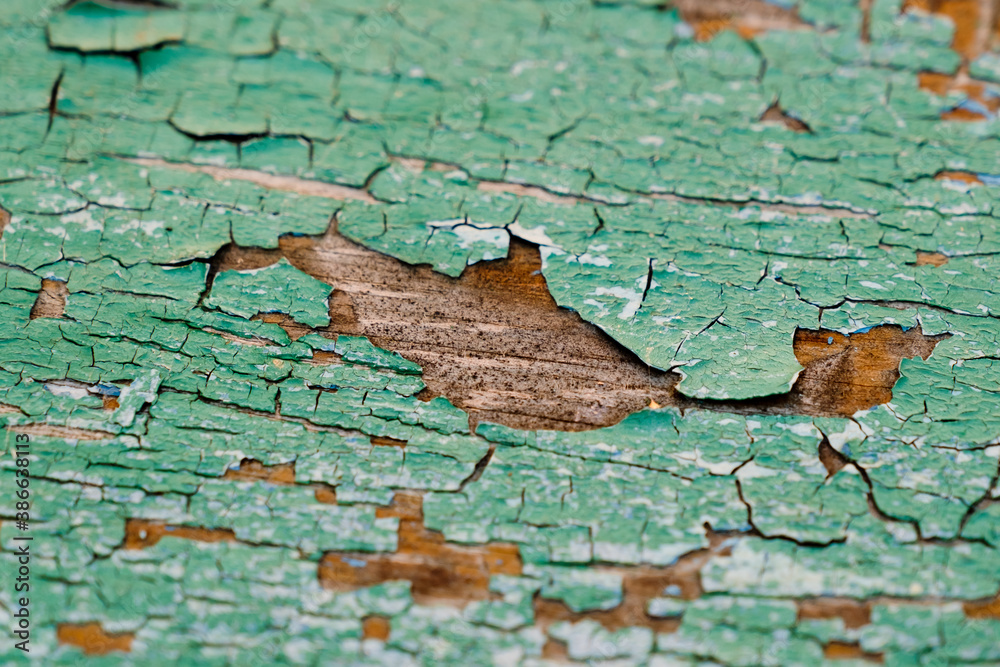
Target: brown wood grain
[495, 343]
[437, 570]
[92, 639]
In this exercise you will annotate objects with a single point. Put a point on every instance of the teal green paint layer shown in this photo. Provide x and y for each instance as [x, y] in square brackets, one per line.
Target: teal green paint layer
[667, 214]
[278, 288]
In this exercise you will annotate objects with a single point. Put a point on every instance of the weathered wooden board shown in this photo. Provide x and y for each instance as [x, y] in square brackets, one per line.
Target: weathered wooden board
[519, 332]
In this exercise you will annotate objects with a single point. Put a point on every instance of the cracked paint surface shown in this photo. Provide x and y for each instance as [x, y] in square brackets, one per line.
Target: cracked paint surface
[210, 489]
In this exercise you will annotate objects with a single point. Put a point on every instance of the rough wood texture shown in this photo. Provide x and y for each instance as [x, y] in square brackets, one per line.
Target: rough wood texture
[438, 571]
[494, 342]
[733, 189]
[92, 639]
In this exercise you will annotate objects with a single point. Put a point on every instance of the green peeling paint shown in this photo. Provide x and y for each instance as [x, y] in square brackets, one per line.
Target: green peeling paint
[278, 288]
[666, 213]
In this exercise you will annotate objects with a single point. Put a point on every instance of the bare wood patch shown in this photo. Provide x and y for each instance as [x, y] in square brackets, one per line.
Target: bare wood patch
[51, 301]
[975, 22]
[831, 459]
[442, 572]
[63, 432]
[326, 495]
[295, 184]
[92, 639]
[532, 191]
[554, 650]
[854, 613]
[975, 31]
[381, 441]
[251, 470]
[438, 571]
[842, 373]
[850, 651]
[640, 584]
[775, 114]
[989, 609]
[845, 374]
[281, 474]
[494, 342]
[960, 176]
[376, 627]
[930, 259]
[747, 17]
[971, 31]
[295, 330]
